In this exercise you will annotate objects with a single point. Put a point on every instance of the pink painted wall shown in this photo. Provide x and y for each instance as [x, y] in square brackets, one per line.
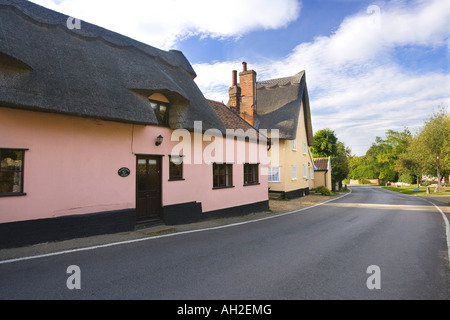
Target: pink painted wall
[71, 167]
[198, 185]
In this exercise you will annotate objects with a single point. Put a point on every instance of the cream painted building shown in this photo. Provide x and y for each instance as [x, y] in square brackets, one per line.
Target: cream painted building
[281, 106]
[322, 175]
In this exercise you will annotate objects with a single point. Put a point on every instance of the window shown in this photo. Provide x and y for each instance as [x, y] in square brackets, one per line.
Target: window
[294, 172]
[294, 145]
[222, 175]
[250, 174]
[176, 168]
[305, 147]
[312, 173]
[11, 171]
[304, 171]
[274, 174]
[161, 110]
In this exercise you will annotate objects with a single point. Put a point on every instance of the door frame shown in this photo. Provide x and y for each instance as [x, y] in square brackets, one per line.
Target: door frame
[160, 159]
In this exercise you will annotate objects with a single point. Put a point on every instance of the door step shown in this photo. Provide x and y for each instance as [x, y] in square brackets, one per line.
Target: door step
[148, 223]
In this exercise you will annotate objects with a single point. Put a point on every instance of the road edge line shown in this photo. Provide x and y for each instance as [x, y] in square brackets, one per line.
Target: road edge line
[447, 228]
[444, 217]
[164, 235]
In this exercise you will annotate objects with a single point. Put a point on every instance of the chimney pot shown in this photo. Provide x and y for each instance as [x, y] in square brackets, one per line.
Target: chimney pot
[234, 79]
[244, 66]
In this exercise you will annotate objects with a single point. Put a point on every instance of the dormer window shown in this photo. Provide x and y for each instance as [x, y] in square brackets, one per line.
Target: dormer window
[161, 112]
[160, 105]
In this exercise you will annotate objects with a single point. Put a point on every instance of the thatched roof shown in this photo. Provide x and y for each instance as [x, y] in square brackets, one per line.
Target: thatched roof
[278, 105]
[91, 72]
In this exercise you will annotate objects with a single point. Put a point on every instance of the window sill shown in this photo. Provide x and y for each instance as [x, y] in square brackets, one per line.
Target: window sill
[12, 194]
[224, 187]
[177, 179]
[251, 184]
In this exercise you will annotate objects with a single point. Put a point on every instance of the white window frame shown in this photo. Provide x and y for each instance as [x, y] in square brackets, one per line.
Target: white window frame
[294, 172]
[305, 147]
[274, 172]
[304, 171]
[294, 145]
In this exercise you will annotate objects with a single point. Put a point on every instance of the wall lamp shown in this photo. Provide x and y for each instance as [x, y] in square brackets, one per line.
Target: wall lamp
[159, 140]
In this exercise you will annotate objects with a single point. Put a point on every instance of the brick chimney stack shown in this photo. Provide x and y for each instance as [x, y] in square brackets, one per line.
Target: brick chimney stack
[234, 80]
[247, 82]
[234, 93]
[243, 95]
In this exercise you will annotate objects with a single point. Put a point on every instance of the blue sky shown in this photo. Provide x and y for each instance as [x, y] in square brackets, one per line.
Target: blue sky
[370, 65]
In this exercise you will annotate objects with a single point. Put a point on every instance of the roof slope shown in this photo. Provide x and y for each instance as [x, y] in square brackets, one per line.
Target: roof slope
[233, 121]
[92, 71]
[278, 105]
[321, 164]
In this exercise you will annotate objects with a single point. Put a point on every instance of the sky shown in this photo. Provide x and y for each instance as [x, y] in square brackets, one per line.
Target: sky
[370, 65]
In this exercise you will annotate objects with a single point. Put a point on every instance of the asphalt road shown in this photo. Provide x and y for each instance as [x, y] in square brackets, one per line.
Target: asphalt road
[320, 253]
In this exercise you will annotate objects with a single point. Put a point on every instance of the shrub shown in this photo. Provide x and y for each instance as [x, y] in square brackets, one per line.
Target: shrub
[406, 178]
[323, 190]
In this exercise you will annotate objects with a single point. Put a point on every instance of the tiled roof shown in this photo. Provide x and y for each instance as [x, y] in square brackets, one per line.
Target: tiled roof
[230, 119]
[321, 164]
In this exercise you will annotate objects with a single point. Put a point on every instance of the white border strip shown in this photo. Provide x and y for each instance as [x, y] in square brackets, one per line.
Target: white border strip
[447, 229]
[164, 235]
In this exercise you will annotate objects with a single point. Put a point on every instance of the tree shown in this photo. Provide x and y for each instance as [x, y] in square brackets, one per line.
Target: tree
[360, 168]
[436, 133]
[432, 140]
[339, 163]
[411, 163]
[325, 144]
[380, 159]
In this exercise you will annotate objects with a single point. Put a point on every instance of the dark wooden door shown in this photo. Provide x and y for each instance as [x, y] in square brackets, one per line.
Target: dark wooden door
[148, 188]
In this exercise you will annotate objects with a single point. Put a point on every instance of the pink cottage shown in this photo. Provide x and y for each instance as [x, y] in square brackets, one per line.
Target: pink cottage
[100, 133]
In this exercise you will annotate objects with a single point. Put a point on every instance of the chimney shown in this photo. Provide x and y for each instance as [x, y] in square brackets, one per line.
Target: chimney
[234, 93]
[247, 83]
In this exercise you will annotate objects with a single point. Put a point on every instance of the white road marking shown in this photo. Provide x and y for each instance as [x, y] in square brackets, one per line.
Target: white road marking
[161, 236]
[444, 217]
[447, 228]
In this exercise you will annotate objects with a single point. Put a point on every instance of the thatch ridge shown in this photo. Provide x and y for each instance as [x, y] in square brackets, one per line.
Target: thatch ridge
[278, 105]
[92, 72]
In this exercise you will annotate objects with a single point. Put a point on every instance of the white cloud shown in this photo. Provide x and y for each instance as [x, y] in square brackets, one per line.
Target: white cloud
[353, 76]
[161, 23]
[214, 79]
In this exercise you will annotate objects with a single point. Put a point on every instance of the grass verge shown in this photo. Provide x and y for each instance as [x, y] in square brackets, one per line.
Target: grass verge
[421, 192]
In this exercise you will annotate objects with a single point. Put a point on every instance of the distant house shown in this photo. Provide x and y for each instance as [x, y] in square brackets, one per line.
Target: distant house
[322, 172]
[100, 133]
[279, 105]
